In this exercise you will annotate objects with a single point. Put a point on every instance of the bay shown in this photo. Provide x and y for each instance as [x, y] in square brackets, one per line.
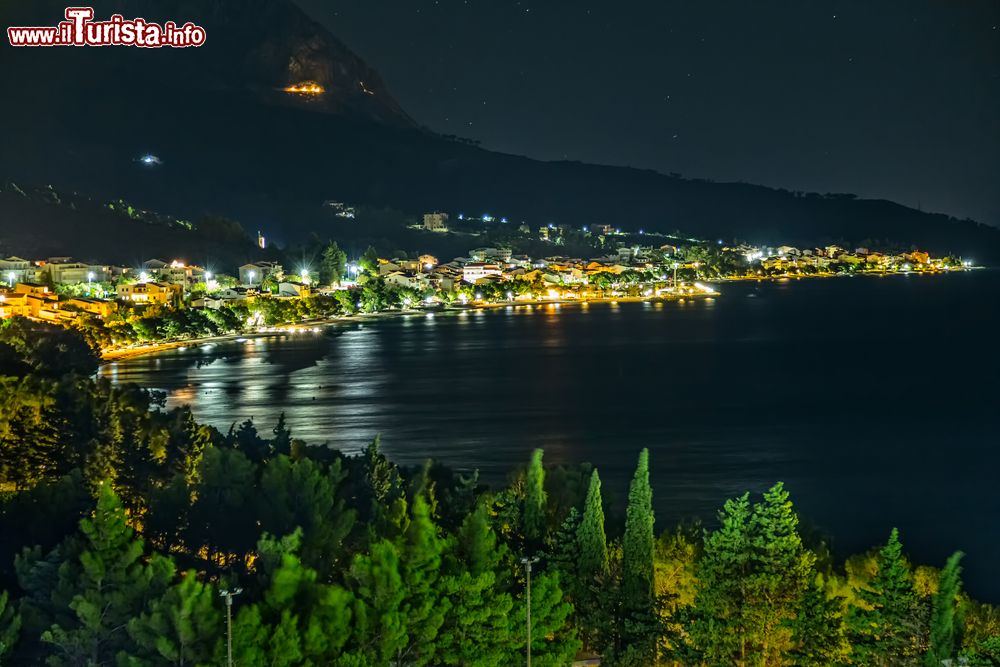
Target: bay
[874, 399]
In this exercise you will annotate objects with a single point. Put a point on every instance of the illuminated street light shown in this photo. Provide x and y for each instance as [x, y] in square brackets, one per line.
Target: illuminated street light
[143, 277]
[10, 278]
[250, 275]
[208, 276]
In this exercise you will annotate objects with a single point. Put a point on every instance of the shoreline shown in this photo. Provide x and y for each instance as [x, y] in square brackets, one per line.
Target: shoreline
[128, 353]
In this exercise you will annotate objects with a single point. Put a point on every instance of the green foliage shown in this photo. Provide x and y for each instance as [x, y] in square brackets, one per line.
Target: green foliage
[752, 578]
[593, 541]
[10, 625]
[946, 621]
[333, 265]
[719, 625]
[554, 640]
[382, 565]
[181, 627]
[299, 620]
[106, 585]
[477, 630]
[533, 514]
[304, 494]
[379, 631]
[817, 631]
[639, 604]
[637, 544]
[369, 261]
[886, 625]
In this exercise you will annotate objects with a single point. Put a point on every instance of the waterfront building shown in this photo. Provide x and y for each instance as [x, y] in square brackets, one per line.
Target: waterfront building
[475, 271]
[150, 292]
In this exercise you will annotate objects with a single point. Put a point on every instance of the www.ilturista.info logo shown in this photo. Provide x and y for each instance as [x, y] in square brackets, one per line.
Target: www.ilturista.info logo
[80, 29]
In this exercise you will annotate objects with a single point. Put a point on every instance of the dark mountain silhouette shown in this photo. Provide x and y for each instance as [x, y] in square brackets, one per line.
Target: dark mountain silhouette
[38, 222]
[233, 143]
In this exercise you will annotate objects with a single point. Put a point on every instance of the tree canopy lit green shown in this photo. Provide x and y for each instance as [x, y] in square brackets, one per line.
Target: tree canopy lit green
[122, 522]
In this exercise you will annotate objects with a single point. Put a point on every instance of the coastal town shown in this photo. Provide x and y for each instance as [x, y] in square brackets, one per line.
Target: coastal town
[159, 300]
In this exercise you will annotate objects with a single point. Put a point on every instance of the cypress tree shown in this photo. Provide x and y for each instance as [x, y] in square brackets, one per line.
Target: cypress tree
[885, 630]
[637, 544]
[945, 616]
[592, 566]
[534, 501]
[640, 623]
[592, 540]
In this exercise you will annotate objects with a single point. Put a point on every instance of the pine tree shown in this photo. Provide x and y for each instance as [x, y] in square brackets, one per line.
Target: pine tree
[382, 496]
[308, 618]
[304, 494]
[379, 629]
[637, 564]
[562, 549]
[534, 502]
[219, 520]
[945, 615]
[718, 625]
[281, 443]
[884, 631]
[423, 604]
[108, 584]
[553, 638]
[780, 573]
[818, 630]
[477, 628]
[181, 627]
[10, 626]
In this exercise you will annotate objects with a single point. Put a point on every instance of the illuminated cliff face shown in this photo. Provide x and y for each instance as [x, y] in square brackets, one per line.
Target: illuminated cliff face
[306, 88]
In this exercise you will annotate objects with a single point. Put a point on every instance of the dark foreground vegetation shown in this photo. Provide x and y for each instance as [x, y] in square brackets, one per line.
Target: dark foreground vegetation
[122, 527]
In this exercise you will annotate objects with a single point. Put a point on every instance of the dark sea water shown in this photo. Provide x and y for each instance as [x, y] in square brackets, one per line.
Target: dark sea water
[874, 399]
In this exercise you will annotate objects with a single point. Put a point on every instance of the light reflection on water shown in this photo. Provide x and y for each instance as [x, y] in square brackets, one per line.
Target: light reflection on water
[872, 399]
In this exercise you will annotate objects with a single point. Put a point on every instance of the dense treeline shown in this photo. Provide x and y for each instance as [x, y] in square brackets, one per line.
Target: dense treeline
[132, 324]
[122, 525]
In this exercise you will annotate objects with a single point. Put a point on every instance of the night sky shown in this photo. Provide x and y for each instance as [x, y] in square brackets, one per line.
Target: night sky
[899, 99]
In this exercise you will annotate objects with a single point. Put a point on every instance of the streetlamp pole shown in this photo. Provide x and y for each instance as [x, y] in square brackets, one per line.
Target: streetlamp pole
[229, 622]
[528, 562]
